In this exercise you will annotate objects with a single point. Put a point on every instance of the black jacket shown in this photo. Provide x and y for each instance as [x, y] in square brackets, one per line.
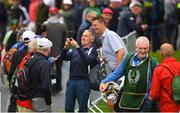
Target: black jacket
[127, 23]
[40, 77]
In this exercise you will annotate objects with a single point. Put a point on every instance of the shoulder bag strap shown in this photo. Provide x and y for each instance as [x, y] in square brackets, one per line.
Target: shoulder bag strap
[173, 77]
[168, 70]
[89, 52]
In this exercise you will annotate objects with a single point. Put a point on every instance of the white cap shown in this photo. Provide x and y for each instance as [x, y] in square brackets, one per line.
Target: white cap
[28, 36]
[115, 0]
[44, 43]
[50, 3]
[69, 2]
[134, 3]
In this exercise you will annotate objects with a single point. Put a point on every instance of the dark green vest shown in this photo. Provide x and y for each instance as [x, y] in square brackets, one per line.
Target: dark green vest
[135, 85]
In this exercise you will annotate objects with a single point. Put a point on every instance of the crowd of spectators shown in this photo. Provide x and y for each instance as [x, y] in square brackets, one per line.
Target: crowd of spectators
[160, 16]
[77, 25]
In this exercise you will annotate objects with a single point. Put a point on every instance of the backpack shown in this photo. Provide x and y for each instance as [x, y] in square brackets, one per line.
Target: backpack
[25, 88]
[8, 59]
[175, 86]
[13, 81]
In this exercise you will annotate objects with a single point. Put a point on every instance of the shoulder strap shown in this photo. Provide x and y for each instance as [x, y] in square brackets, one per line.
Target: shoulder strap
[89, 52]
[168, 70]
[153, 62]
[24, 60]
[173, 77]
[128, 58]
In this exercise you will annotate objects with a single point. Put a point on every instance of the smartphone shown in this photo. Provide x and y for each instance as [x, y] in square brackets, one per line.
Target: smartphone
[70, 34]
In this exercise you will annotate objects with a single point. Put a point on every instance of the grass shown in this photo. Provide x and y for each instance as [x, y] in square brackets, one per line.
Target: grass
[103, 106]
[157, 55]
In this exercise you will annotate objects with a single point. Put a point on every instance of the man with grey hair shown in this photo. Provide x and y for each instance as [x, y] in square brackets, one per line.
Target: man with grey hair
[40, 77]
[137, 68]
[161, 88]
[80, 57]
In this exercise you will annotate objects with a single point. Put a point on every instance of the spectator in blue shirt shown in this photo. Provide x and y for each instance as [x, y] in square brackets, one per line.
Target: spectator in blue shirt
[80, 57]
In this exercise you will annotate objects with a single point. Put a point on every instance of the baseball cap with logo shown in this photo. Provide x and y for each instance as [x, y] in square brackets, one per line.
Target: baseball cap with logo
[44, 43]
[28, 36]
[107, 11]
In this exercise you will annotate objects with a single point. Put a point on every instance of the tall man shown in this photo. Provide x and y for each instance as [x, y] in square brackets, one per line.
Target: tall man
[161, 89]
[112, 45]
[137, 69]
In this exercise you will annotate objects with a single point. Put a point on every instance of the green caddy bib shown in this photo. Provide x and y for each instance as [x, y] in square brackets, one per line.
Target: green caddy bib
[135, 85]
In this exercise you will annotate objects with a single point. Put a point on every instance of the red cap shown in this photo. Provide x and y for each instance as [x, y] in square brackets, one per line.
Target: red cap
[53, 10]
[107, 10]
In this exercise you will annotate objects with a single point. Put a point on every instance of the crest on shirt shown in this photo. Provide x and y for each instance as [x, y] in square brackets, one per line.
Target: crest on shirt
[133, 76]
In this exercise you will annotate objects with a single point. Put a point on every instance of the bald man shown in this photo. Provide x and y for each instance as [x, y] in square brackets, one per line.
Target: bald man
[161, 82]
[137, 69]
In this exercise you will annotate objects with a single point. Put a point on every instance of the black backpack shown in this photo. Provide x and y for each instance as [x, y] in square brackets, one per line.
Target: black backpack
[96, 74]
[25, 88]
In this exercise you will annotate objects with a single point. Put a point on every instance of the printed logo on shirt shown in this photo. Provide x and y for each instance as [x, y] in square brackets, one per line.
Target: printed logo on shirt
[133, 76]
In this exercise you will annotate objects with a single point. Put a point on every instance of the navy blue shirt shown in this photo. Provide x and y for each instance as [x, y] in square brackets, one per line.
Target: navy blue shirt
[79, 61]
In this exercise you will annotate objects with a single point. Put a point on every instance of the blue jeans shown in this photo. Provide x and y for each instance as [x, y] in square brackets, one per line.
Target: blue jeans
[80, 90]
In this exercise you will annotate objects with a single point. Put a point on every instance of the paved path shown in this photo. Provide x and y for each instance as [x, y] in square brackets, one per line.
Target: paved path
[57, 100]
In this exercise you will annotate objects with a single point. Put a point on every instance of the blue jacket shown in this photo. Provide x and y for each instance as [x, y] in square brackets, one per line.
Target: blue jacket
[79, 61]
